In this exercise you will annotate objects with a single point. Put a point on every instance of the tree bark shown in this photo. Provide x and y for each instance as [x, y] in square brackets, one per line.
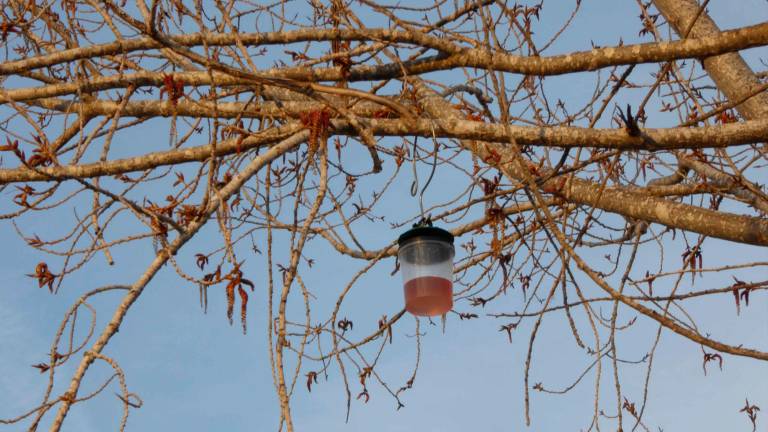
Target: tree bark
[726, 226]
[729, 71]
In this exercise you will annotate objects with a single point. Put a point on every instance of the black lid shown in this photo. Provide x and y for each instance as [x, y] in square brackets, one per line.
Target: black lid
[427, 231]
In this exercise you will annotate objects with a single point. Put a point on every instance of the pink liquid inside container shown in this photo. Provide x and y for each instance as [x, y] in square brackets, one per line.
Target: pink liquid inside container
[426, 262]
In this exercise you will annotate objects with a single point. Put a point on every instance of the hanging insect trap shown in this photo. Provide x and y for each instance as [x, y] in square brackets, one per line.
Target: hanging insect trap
[426, 262]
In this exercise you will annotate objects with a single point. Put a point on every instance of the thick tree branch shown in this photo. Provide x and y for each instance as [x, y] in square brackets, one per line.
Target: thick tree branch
[722, 225]
[562, 137]
[729, 71]
[576, 62]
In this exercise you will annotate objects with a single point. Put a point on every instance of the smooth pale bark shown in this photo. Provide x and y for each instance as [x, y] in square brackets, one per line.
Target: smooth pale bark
[465, 57]
[455, 127]
[726, 226]
[562, 137]
[729, 71]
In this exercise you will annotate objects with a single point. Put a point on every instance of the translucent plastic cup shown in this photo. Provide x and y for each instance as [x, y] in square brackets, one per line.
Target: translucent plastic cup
[426, 262]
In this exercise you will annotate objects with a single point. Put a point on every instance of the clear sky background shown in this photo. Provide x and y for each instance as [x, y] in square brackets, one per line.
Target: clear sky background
[194, 372]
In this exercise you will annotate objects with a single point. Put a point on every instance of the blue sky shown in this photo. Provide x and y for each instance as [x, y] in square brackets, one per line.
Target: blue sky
[195, 372]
